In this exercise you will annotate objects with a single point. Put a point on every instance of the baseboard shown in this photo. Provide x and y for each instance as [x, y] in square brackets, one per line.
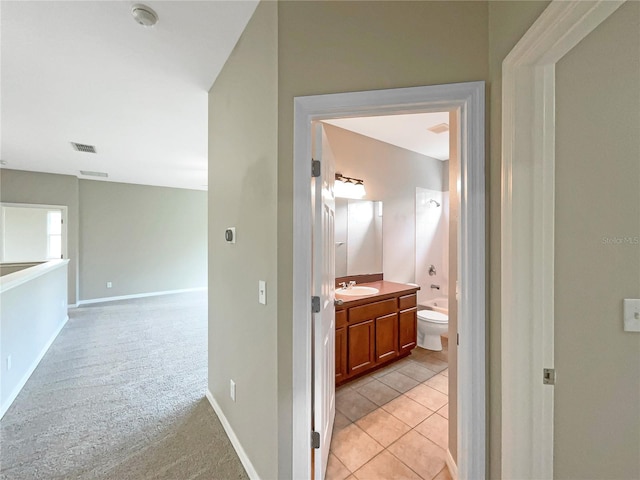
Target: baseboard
[138, 295]
[244, 459]
[18, 388]
[451, 465]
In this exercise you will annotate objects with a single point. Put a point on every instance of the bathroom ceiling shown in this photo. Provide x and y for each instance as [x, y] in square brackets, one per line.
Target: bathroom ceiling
[86, 72]
[408, 131]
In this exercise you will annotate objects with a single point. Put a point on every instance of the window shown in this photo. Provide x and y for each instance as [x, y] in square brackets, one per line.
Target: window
[54, 234]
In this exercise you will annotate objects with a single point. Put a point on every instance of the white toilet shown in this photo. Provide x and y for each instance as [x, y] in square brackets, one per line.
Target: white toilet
[431, 325]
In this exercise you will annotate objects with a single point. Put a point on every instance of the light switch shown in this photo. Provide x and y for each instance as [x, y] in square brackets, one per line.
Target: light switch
[632, 314]
[262, 292]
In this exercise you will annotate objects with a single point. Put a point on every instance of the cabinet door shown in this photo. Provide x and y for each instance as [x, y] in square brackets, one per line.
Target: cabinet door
[408, 329]
[386, 337]
[341, 354]
[361, 346]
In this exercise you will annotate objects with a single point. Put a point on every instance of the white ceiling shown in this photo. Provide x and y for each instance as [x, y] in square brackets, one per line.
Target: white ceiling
[407, 131]
[86, 72]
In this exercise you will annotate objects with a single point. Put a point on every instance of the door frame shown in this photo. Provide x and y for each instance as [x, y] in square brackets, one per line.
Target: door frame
[468, 100]
[527, 238]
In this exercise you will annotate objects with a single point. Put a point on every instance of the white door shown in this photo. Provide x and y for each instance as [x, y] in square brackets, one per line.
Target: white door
[323, 385]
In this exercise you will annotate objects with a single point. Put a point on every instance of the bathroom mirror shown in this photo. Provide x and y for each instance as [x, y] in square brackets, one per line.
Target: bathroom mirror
[358, 236]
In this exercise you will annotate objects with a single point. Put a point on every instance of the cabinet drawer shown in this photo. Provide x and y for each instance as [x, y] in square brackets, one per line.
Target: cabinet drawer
[341, 318]
[408, 301]
[372, 310]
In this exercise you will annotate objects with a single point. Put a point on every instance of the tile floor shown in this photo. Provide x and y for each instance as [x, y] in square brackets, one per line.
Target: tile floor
[393, 423]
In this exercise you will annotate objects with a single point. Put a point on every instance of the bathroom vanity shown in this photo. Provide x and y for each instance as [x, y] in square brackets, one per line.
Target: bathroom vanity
[374, 330]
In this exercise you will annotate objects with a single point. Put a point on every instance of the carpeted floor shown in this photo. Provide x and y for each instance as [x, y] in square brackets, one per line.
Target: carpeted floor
[120, 395]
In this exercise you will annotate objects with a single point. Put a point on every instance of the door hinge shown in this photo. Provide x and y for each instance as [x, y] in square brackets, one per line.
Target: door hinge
[457, 339]
[315, 168]
[549, 376]
[315, 304]
[315, 439]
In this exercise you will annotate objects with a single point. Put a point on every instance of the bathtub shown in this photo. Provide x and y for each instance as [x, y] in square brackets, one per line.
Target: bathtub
[440, 304]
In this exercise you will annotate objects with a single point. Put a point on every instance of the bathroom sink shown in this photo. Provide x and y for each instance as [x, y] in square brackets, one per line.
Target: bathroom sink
[357, 291]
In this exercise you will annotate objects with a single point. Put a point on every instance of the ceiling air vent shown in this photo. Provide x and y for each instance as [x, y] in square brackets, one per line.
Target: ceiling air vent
[80, 147]
[93, 174]
[440, 128]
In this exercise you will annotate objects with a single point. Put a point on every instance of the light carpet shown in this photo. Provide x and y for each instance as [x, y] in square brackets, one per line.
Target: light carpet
[120, 395]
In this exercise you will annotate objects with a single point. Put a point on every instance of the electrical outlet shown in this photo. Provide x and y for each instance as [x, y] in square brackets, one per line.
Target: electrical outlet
[109, 284]
[631, 314]
[8, 362]
[232, 390]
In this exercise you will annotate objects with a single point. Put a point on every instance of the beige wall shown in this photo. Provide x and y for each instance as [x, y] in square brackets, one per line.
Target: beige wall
[141, 238]
[597, 395]
[508, 21]
[17, 186]
[243, 159]
[328, 47]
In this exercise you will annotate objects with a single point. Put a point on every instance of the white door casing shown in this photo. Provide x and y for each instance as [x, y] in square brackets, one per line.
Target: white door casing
[324, 261]
[468, 100]
[527, 238]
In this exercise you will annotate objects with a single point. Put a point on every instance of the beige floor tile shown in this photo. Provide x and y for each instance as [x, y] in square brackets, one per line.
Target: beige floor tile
[335, 469]
[420, 454]
[383, 427]
[340, 422]
[386, 467]
[442, 356]
[398, 381]
[440, 383]
[405, 409]
[445, 372]
[353, 447]
[444, 411]
[386, 370]
[428, 397]
[444, 475]
[416, 371]
[352, 477]
[432, 363]
[436, 429]
[378, 392]
[353, 405]
[355, 384]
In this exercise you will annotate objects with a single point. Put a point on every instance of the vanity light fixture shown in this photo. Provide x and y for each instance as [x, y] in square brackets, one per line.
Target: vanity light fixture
[348, 187]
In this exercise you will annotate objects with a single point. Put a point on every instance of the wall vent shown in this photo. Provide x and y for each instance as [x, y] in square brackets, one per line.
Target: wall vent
[80, 147]
[93, 174]
[440, 128]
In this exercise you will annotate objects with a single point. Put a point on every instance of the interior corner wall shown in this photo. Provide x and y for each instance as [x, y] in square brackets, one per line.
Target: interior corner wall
[243, 161]
[350, 46]
[508, 22]
[596, 424]
[391, 174]
[18, 186]
[143, 239]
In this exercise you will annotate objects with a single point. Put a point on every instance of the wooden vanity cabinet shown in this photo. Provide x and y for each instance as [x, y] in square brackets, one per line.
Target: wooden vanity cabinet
[372, 334]
[341, 345]
[408, 323]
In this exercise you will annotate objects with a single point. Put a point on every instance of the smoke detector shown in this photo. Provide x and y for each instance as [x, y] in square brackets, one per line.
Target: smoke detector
[144, 15]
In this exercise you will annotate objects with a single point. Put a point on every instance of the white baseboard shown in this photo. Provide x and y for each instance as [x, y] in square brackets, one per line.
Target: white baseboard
[138, 295]
[451, 465]
[246, 463]
[18, 388]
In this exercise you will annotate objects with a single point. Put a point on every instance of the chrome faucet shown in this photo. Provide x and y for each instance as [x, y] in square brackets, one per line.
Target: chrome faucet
[352, 283]
[437, 287]
[343, 285]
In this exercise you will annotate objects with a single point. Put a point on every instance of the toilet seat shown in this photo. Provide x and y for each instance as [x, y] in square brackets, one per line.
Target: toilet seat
[432, 316]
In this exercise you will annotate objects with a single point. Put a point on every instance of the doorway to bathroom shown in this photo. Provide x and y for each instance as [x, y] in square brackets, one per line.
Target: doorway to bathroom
[465, 103]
